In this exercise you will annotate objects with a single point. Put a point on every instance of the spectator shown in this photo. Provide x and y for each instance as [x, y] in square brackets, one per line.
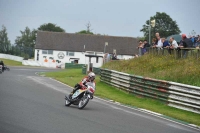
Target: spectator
[159, 43]
[192, 39]
[157, 35]
[165, 43]
[114, 56]
[174, 44]
[198, 41]
[153, 41]
[140, 47]
[187, 43]
[146, 45]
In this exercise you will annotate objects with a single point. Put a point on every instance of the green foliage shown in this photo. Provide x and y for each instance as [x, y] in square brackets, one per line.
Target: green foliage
[141, 38]
[73, 76]
[27, 38]
[51, 27]
[161, 67]
[25, 43]
[85, 32]
[5, 45]
[164, 25]
[88, 31]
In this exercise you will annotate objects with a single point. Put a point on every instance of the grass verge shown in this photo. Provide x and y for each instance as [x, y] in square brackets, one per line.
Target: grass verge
[73, 76]
[11, 62]
[168, 68]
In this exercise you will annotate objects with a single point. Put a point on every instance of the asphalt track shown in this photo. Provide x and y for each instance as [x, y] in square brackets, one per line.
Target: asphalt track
[34, 104]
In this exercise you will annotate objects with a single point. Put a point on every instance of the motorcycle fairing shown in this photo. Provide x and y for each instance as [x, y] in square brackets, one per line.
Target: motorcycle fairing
[77, 93]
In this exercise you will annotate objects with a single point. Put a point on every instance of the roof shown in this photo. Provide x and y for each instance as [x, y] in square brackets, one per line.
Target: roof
[75, 42]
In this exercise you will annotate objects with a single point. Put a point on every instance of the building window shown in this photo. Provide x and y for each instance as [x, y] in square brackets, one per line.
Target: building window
[44, 51]
[47, 51]
[50, 51]
[69, 53]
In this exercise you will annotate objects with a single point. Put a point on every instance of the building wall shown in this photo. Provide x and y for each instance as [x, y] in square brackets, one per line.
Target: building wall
[66, 59]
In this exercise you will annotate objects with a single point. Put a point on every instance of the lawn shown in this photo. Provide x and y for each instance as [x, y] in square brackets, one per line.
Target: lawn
[11, 62]
[73, 76]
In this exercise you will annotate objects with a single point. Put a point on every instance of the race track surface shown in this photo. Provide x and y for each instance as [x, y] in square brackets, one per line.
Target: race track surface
[33, 104]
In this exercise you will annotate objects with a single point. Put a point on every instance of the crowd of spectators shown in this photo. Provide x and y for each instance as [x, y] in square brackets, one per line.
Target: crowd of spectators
[160, 43]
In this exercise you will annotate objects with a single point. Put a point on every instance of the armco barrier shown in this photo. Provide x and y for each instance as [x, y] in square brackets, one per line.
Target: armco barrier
[11, 57]
[177, 95]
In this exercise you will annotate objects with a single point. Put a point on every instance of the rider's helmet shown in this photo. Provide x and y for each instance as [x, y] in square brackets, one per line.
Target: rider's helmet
[91, 76]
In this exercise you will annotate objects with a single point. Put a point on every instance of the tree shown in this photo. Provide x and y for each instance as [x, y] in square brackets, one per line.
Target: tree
[164, 25]
[26, 42]
[51, 27]
[5, 45]
[87, 31]
[27, 38]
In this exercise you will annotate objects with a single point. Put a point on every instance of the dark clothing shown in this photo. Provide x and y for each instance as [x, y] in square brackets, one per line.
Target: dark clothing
[165, 43]
[146, 48]
[1, 63]
[156, 42]
[187, 43]
[146, 45]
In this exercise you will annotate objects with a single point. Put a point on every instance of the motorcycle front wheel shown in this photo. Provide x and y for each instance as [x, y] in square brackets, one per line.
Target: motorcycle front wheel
[67, 102]
[83, 102]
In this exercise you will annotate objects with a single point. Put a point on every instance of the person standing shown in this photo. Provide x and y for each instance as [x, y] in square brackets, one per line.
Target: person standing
[146, 46]
[140, 47]
[174, 43]
[159, 43]
[187, 43]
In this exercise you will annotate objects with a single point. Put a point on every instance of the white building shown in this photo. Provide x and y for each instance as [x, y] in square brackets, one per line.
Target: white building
[55, 47]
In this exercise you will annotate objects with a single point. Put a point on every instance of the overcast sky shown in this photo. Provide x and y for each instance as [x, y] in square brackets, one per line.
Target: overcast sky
[112, 17]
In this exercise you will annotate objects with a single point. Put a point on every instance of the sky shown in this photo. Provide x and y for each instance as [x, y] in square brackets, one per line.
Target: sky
[110, 17]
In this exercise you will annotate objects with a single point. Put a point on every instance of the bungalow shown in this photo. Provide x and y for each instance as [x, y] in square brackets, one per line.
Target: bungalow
[69, 47]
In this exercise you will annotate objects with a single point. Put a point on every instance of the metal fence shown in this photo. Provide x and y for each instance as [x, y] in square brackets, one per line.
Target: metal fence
[73, 65]
[177, 95]
[177, 53]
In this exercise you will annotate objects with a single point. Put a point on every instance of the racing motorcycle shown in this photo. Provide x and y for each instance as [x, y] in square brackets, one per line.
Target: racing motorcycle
[6, 68]
[1, 69]
[81, 97]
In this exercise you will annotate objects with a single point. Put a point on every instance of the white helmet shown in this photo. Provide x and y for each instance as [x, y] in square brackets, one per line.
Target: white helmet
[91, 76]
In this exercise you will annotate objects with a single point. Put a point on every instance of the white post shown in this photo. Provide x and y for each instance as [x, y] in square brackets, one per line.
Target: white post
[149, 30]
[106, 43]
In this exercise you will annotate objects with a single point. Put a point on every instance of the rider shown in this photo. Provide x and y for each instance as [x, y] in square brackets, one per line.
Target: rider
[1, 63]
[90, 78]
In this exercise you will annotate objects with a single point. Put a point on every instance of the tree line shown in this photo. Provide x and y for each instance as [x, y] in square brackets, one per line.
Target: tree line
[25, 43]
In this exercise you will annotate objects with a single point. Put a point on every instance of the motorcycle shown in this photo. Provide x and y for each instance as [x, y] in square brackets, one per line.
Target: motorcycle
[1, 69]
[6, 68]
[81, 97]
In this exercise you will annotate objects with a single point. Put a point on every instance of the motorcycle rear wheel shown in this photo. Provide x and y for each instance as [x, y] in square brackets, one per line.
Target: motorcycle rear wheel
[83, 102]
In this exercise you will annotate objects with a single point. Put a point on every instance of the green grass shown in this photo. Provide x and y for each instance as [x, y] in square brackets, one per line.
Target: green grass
[73, 76]
[11, 62]
[168, 68]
